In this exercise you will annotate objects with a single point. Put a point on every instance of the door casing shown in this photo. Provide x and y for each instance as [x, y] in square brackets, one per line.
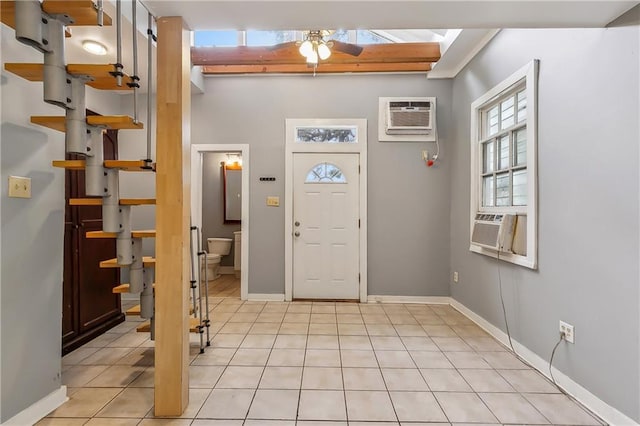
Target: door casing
[291, 147]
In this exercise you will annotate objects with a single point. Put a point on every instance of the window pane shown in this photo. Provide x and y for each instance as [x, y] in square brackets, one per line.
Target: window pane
[368, 37]
[503, 158]
[487, 155]
[487, 191]
[269, 38]
[502, 190]
[327, 134]
[215, 38]
[340, 35]
[507, 112]
[325, 173]
[492, 121]
[522, 106]
[520, 151]
[520, 188]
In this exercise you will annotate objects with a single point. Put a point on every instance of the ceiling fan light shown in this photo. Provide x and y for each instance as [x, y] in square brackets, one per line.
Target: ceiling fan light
[94, 47]
[323, 51]
[306, 48]
[312, 58]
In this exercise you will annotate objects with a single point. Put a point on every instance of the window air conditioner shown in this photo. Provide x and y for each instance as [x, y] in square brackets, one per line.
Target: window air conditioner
[493, 231]
[410, 117]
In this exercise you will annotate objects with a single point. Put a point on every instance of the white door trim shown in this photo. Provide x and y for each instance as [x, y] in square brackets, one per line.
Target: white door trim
[196, 200]
[309, 147]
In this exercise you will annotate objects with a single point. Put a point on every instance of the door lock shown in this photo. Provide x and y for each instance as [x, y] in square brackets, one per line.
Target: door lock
[297, 234]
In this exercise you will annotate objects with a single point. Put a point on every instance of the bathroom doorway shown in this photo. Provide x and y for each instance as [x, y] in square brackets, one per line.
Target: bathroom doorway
[220, 211]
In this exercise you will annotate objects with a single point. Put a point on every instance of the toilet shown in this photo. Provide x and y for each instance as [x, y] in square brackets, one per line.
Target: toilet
[216, 247]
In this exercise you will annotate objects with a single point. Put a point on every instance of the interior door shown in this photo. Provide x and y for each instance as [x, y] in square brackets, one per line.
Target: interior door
[326, 226]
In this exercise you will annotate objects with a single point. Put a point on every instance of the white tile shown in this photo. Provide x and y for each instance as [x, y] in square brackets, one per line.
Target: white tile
[286, 357]
[329, 378]
[240, 377]
[131, 402]
[466, 360]
[394, 359]
[250, 357]
[528, 381]
[417, 407]
[419, 343]
[464, 408]
[115, 376]
[265, 328]
[352, 329]
[204, 376]
[347, 308]
[560, 409]
[281, 378]
[434, 330]
[512, 408]
[290, 341]
[215, 356]
[404, 379]
[323, 329]
[322, 342]
[486, 381]
[363, 379]
[503, 361]
[430, 359]
[227, 404]
[250, 422]
[445, 380]
[322, 405]
[451, 344]
[355, 358]
[296, 318]
[410, 330]
[381, 330]
[323, 309]
[236, 328]
[482, 344]
[210, 422]
[322, 358]
[352, 318]
[274, 404]
[387, 343]
[227, 340]
[369, 406]
[294, 328]
[257, 341]
[355, 342]
[323, 318]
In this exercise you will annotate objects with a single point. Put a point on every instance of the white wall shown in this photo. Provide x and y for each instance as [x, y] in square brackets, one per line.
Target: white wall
[588, 206]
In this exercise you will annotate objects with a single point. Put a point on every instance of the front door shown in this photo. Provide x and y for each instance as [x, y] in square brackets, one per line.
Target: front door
[326, 226]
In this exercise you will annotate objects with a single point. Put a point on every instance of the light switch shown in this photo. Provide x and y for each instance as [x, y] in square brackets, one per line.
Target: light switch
[19, 187]
[273, 201]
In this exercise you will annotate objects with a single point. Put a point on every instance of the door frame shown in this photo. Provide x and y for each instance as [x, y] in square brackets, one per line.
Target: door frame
[197, 151]
[292, 147]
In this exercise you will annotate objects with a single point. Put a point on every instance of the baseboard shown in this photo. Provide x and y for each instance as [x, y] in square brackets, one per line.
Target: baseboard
[275, 297]
[608, 413]
[434, 300]
[39, 409]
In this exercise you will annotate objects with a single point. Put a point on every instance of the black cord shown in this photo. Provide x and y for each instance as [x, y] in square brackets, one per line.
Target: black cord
[504, 310]
[553, 352]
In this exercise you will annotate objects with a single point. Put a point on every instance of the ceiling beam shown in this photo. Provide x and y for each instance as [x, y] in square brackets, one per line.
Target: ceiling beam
[323, 68]
[373, 53]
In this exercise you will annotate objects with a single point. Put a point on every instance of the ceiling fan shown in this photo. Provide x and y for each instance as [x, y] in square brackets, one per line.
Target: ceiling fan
[314, 47]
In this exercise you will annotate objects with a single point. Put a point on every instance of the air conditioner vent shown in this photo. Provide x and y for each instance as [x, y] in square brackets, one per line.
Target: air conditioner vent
[407, 119]
[494, 231]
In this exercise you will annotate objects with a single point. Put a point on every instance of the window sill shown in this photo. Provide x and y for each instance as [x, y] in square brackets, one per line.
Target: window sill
[526, 261]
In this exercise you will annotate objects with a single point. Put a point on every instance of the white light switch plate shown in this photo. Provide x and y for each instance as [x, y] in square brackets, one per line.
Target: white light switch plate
[19, 187]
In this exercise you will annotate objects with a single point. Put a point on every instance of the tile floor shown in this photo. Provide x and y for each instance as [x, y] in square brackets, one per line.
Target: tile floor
[318, 364]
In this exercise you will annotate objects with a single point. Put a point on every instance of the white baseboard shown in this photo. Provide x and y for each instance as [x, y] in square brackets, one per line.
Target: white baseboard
[266, 297]
[39, 409]
[608, 413]
[434, 300]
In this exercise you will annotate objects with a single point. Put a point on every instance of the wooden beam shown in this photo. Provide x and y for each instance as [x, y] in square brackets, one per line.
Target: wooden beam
[173, 107]
[373, 53]
[321, 69]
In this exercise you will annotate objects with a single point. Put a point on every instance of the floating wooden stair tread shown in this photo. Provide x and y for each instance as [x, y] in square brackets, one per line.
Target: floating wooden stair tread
[113, 263]
[145, 327]
[133, 311]
[8, 15]
[123, 288]
[150, 233]
[123, 201]
[126, 165]
[99, 74]
[83, 12]
[113, 122]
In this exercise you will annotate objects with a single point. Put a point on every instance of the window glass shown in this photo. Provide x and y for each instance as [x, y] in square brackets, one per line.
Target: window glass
[368, 37]
[520, 188]
[341, 35]
[502, 190]
[269, 38]
[522, 106]
[487, 155]
[325, 173]
[215, 38]
[520, 150]
[503, 153]
[492, 121]
[487, 191]
[327, 134]
[506, 113]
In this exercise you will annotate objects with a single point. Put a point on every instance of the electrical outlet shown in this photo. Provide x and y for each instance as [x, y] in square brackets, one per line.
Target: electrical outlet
[567, 329]
[425, 155]
[455, 277]
[19, 187]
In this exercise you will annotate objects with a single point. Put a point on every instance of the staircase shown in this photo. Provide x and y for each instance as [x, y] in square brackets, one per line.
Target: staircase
[44, 26]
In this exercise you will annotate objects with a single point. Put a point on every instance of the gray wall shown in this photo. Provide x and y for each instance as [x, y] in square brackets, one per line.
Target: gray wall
[588, 206]
[408, 206]
[31, 238]
[213, 225]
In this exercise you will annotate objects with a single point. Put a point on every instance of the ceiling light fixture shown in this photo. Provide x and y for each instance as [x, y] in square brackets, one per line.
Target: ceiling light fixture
[314, 48]
[94, 47]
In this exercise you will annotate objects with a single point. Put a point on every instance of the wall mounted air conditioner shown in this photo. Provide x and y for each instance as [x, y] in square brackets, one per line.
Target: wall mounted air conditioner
[493, 231]
[408, 119]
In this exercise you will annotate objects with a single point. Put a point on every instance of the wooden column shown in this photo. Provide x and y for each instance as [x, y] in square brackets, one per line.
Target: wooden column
[172, 218]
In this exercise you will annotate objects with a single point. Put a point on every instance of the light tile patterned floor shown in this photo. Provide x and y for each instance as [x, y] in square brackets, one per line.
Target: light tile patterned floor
[318, 364]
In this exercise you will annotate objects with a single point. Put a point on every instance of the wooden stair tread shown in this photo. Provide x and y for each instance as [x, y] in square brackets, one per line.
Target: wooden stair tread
[149, 233]
[113, 263]
[8, 16]
[99, 73]
[83, 12]
[113, 122]
[145, 327]
[126, 165]
[133, 311]
[123, 288]
[123, 201]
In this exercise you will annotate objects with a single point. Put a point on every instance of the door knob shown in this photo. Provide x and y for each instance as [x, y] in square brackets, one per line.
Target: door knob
[297, 234]
[297, 223]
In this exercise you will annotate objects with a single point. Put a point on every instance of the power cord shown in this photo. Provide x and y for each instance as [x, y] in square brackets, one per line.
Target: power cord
[504, 310]
[553, 353]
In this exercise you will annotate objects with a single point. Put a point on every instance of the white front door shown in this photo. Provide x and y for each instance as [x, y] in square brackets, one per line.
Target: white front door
[326, 226]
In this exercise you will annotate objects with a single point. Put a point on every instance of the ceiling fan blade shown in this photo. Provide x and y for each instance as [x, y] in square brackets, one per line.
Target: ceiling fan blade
[348, 48]
[283, 45]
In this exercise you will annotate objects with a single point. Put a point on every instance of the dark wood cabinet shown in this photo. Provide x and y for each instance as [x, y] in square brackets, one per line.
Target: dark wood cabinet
[89, 308]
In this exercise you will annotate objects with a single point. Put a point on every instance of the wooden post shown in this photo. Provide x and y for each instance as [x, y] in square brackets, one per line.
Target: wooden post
[172, 218]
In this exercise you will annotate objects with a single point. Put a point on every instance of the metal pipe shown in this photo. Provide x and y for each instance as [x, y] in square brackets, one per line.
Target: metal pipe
[202, 260]
[56, 85]
[118, 72]
[29, 23]
[100, 13]
[76, 136]
[134, 39]
[149, 82]
[206, 299]
[95, 178]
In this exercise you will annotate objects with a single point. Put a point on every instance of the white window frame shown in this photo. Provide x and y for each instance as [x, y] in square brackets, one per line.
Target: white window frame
[529, 75]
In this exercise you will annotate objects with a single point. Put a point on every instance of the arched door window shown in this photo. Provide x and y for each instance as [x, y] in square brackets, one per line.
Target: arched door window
[325, 173]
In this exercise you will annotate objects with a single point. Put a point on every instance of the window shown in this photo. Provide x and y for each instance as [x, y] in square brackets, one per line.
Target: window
[327, 134]
[503, 162]
[325, 173]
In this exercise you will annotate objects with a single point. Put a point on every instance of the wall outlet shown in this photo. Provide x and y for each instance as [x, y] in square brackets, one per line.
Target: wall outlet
[455, 277]
[273, 201]
[19, 187]
[567, 329]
